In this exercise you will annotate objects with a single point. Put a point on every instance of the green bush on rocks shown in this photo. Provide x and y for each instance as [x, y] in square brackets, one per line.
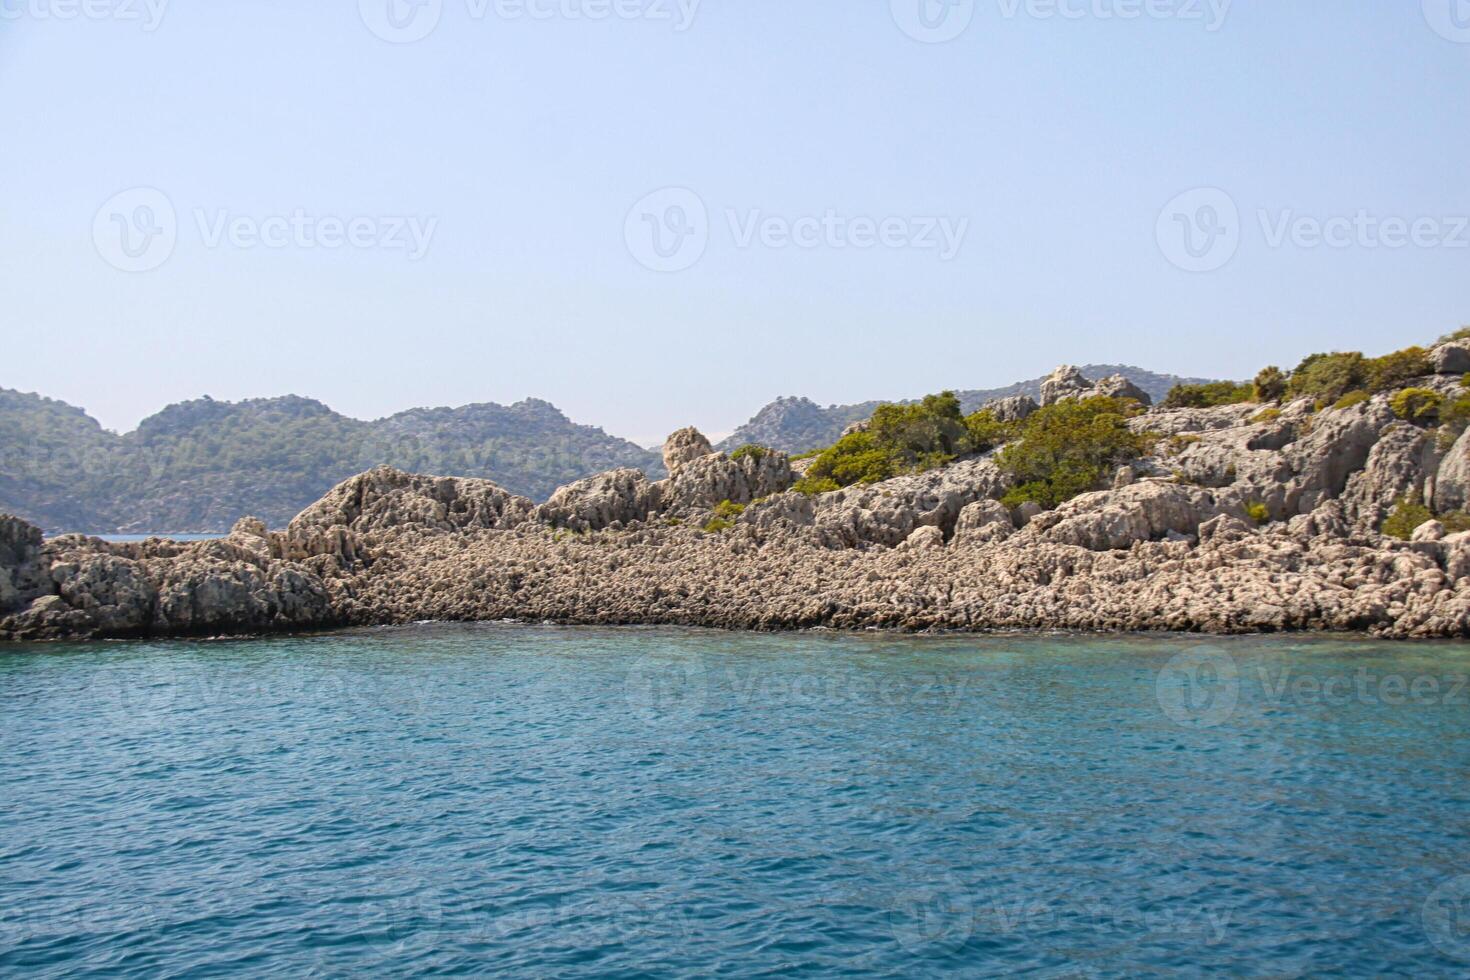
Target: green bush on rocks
[1070, 448]
[1209, 395]
[1418, 405]
[903, 439]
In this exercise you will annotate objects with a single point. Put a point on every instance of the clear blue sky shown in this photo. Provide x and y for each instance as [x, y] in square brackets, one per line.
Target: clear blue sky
[1058, 139]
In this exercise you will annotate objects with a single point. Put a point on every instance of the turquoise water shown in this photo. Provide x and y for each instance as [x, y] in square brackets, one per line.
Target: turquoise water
[569, 802]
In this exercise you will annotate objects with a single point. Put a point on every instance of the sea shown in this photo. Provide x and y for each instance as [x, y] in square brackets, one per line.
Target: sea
[534, 800]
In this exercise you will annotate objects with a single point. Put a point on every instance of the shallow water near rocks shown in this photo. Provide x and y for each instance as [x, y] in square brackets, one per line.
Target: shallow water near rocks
[557, 801]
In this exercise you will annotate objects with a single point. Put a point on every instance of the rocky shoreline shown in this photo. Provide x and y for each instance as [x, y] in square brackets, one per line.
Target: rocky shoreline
[1239, 520]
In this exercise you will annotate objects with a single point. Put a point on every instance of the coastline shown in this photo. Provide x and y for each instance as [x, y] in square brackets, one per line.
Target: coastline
[1238, 520]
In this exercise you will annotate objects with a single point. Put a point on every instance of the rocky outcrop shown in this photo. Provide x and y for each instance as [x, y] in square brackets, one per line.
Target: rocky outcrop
[683, 447]
[1063, 383]
[158, 587]
[1012, 409]
[609, 499]
[1451, 358]
[1239, 519]
[888, 512]
[1118, 519]
[22, 574]
[1117, 386]
[983, 522]
[1402, 461]
[1452, 478]
[385, 498]
[706, 481]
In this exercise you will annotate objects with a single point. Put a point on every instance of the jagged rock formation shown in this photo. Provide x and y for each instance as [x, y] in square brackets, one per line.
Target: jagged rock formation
[1067, 382]
[1016, 408]
[684, 446]
[1237, 520]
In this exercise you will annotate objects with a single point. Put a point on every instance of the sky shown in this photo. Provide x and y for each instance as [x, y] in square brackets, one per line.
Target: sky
[655, 213]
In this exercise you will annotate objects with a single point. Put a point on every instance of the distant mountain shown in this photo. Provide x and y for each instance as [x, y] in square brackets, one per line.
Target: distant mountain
[795, 425]
[200, 465]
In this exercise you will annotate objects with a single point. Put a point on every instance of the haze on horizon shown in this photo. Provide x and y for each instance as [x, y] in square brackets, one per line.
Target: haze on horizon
[679, 211]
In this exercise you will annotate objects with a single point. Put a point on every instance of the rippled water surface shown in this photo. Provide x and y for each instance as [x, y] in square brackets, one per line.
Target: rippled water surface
[473, 799]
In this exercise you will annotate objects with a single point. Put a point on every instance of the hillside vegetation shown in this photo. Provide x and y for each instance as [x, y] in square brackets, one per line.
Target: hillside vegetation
[202, 464]
[799, 425]
[1076, 445]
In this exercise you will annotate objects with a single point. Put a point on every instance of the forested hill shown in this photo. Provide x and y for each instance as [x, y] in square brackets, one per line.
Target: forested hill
[200, 465]
[795, 425]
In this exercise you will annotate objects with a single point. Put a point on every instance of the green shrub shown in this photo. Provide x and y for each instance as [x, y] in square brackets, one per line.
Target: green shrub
[1070, 448]
[1327, 377]
[809, 454]
[1352, 398]
[1209, 395]
[728, 509]
[1462, 334]
[1265, 415]
[986, 431]
[718, 525]
[754, 452]
[1418, 405]
[1258, 512]
[1456, 414]
[1398, 369]
[1270, 384]
[902, 439]
[1408, 513]
[815, 485]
